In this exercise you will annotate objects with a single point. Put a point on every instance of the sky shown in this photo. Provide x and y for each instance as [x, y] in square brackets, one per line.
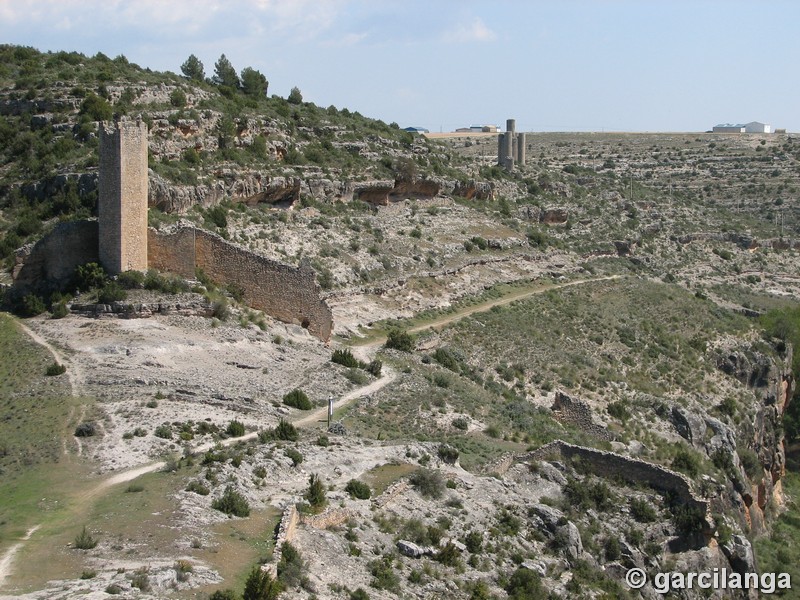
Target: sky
[556, 65]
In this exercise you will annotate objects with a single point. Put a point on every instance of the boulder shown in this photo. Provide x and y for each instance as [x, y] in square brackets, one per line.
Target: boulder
[689, 426]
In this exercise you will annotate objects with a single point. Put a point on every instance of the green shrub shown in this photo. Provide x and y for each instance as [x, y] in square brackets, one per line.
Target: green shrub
[461, 423]
[163, 431]
[344, 357]
[297, 399]
[60, 310]
[85, 430]
[642, 510]
[226, 594]
[315, 495]
[141, 580]
[235, 428]
[111, 292]
[131, 280]
[447, 454]
[474, 541]
[428, 483]
[31, 306]
[232, 503]
[751, 463]
[291, 568]
[89, 276]
[359, 594]
[448, 556]
[285, 431]
[293, 454]
[525, 584]
[358, 489]
[260, 585]
[375, 367]
[84, 540]
[55, 369]
[398, 339]
[383, 575]
[198, 487]
[687, 461]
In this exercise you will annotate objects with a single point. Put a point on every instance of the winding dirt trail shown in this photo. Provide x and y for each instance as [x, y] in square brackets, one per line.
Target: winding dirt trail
[8, 557]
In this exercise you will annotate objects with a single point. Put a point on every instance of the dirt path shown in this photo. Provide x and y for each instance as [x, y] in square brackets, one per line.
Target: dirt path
[483, 307]
[73, 370]
[8, 557]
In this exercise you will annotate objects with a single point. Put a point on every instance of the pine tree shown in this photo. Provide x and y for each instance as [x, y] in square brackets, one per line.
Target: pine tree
[193, 68]
[225, 74]
[253, 82]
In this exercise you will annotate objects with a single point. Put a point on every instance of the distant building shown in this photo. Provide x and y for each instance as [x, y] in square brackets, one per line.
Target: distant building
[728, 128]
[752, 127]
[756, 127]
[478, 129]
[416, 130]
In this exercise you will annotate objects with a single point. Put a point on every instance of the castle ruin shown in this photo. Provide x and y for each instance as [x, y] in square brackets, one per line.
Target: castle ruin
[510, 147]
[121, 241]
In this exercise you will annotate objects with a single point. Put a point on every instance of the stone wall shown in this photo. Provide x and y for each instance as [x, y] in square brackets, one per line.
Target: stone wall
[51, 261]
[575, 411]
[287, 293]
[122, 199]
[391, 493]
[330, 518]
[616, 466]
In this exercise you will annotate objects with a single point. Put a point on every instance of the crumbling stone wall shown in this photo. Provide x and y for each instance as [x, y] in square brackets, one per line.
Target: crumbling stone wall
[52, 260]
[612, 466]
[576, 412]
[330, 518]
[288, 293]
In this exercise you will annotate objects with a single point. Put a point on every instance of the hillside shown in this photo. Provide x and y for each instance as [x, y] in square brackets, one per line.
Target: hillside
[541, 379]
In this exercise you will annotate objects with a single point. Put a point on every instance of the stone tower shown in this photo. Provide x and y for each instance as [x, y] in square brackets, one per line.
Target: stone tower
[122, 203]
[511, 147]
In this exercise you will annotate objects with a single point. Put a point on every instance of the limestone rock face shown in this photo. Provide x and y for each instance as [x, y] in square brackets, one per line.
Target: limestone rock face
[689, 426]
[740, 554]
[554, 216]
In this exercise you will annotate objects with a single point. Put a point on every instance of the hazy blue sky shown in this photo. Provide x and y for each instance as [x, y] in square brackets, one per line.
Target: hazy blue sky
[559, 65]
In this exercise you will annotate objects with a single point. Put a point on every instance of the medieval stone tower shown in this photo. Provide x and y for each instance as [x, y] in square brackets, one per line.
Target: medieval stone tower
[510, 147]
[122, 202]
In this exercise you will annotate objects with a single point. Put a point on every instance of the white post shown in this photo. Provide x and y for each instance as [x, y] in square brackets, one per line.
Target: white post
[330, 410]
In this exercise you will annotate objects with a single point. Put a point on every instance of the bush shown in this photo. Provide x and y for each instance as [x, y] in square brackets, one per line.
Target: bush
[235, 428]
[474, 541]
[642, 511]
[84, 540]
[296, 457]
[400, 340]
[375, 367]
[60, 310]
[55, 369]
[461, 423]
[291, 568]
[89, 276]
[260, 586]
[285, 431]
[111, 292]
[687, 461]
[428, 483]
[163, 431]
[447, 454]
[315, 495]
[232, 503]
[383, 576]
[525, 584]
[358, 489]
[85, 430]
[297, 399]
[345, 357]
[359, 594]
[448, 556]
[198, 487]
[131, 280]
[688, 519]
[32, 305]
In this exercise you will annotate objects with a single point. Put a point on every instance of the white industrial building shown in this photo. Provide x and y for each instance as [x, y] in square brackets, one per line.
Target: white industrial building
[756, 127]
[752, 127]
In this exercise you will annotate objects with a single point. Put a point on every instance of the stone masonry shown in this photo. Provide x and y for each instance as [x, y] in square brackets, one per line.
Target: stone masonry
[122, 201]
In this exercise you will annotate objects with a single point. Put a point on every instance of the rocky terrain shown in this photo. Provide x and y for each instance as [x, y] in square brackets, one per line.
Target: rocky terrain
[597, 376]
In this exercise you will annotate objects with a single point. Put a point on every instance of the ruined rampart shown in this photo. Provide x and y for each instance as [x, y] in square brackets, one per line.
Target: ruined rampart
[51, 262]
[575, 411]
[287, 293]
[611, 465]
